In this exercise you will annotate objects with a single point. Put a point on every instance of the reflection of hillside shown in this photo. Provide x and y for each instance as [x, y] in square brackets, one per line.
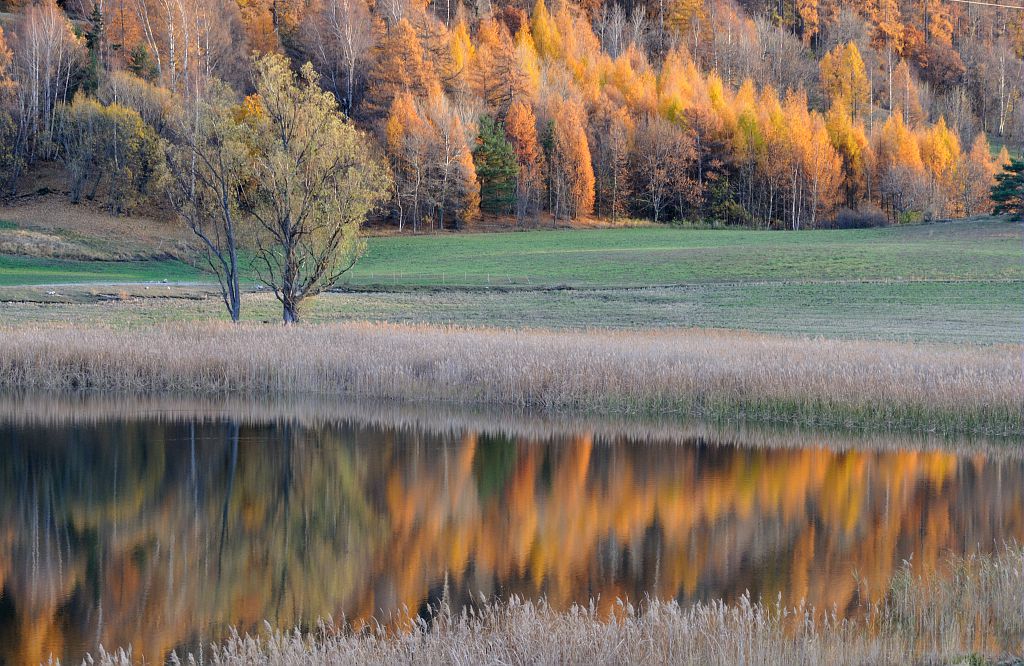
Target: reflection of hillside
[158, 534]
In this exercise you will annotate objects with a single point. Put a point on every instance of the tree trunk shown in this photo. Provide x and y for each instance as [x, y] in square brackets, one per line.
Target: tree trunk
[235, 303]
[290, 312]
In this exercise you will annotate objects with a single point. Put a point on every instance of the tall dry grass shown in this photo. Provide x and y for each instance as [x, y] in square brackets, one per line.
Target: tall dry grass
[972, 613]
[707, 373]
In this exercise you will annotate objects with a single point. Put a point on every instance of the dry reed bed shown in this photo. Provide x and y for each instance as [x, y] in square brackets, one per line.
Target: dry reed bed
[974, 610]
[709, 373]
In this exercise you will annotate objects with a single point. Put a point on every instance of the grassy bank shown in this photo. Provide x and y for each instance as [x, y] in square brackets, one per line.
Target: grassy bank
[981, 249]
[968, 312]
[969, 613]
[949, 282]
[976, 249]
[711, 374]
[19, 270]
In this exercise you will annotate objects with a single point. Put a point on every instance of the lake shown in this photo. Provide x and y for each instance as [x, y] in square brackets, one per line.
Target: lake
[161, 523]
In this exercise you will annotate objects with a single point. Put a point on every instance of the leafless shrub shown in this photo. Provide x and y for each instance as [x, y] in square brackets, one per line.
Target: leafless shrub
[867, 216]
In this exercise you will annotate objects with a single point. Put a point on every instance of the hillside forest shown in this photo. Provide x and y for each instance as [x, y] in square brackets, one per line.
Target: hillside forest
[769, 113]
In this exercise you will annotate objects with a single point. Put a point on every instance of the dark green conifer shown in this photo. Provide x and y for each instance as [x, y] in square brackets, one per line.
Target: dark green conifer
[496, 167]
[1008, 192]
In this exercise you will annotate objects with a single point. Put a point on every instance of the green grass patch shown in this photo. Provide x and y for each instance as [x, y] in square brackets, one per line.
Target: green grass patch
[976, 250]
[953, 312]
[988, 249]
[16, 270]
[951, 282]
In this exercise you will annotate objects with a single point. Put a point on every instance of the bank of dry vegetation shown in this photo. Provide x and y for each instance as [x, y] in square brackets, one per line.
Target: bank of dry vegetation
[713, 374]
[971, 613]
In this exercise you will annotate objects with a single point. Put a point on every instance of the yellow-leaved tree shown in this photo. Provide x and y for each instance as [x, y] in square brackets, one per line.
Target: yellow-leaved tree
[940, 153]
[315, 180]
[976, 174]
[571, 166]
[546, 37]
[845, 80]
[851, 141]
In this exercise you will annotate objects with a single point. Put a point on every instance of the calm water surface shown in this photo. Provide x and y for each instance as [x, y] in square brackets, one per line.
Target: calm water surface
[161, 528]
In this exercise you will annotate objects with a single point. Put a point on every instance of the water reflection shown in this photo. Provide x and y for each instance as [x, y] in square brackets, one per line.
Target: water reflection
[160, 528]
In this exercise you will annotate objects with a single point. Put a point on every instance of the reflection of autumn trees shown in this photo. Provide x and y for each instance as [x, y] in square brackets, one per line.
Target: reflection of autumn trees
[159, 535]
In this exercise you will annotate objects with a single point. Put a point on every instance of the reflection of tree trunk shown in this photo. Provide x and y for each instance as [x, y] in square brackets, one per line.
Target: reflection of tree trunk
[232, 468]
[286, 486]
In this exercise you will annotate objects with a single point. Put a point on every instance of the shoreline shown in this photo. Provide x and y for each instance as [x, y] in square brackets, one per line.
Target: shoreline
[83, 408]
[706, 374]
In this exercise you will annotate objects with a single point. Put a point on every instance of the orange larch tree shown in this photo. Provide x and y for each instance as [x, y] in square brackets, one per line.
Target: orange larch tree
[844, 79]
[571, 171]
[521, 130]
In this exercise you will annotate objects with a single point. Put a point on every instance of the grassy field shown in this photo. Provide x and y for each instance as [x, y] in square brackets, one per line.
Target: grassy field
[983, 250]
[950, 282]
[18, 270]
[980, 250]
[969, 312]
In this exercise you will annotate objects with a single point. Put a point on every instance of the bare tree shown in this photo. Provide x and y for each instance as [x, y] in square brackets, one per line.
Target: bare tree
[662, 159]
[192, 40]
[47, 54]
[639, 27]
[339, 36]
[208, 156]
[611, 28]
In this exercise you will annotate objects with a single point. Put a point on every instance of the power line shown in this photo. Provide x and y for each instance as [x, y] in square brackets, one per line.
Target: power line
[988, 4]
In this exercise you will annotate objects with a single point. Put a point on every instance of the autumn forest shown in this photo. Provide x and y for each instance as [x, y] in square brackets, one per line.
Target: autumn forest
[775, 113]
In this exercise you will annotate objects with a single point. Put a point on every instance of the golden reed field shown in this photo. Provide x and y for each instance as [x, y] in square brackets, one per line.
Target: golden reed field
[713, 374]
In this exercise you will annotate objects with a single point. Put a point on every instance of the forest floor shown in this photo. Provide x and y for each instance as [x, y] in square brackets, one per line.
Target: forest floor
[947, 282]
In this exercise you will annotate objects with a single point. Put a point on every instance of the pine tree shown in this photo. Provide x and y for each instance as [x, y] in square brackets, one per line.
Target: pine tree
[1008, 192]
[496, 167]
[94, 42]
